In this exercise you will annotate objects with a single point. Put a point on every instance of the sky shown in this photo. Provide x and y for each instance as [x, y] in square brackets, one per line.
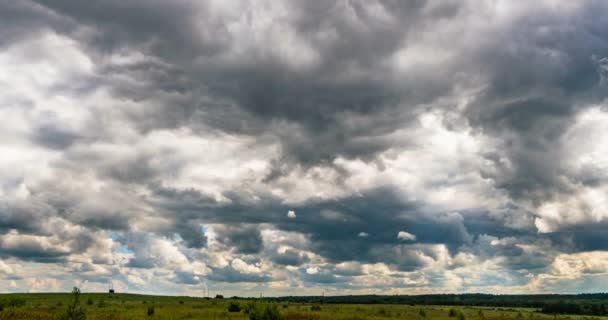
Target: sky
[299, 147]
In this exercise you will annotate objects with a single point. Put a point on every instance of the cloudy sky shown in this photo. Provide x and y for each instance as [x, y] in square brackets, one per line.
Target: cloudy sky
[291, 147]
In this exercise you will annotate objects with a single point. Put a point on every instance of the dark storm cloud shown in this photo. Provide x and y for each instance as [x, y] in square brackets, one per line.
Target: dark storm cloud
[537, 84]
[333, 226]
[26, 217]
[319, 101]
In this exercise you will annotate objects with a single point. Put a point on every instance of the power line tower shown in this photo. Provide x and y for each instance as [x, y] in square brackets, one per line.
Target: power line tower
[111, 288]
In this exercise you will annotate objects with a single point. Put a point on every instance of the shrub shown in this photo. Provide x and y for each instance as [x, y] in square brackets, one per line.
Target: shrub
[268, 312]
[452, 312]
[181, 302]
[12, 302]
[456, 313]
[315, 308]
[101, 304]
[150, 311]
[422, 313]
[234, 307]
[89, 302]
[74, 310]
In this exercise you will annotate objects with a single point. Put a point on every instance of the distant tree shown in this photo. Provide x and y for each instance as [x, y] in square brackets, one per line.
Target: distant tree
[74, 310]
[219, 296]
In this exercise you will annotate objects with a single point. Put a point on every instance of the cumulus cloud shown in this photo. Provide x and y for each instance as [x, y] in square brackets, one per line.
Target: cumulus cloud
[169, 145]
[404, 235]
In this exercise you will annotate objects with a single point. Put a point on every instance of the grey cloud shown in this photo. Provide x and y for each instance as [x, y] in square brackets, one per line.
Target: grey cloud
[289, 258]
[228, 274]
[54, 138]
[245, 238]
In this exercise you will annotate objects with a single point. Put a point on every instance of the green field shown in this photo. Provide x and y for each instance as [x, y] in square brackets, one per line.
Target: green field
[130, 306]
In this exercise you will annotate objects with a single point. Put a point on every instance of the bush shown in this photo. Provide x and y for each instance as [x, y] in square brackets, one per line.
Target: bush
[74, 310]
[422, 313]
[181, 302]
[150, 311]
[89, 302]
[456, 313]
[101, 304]
[219, 296]
[315, 308]
[12, 302]
[268, 312]
[234, 307]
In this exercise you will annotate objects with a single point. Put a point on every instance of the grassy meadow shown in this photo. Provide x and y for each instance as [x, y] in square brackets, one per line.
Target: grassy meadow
[98, 306]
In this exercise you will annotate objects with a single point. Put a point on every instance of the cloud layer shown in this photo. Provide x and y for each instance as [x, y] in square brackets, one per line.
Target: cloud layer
[288, 146]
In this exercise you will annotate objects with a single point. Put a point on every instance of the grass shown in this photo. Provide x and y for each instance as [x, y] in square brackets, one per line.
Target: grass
[102, 306]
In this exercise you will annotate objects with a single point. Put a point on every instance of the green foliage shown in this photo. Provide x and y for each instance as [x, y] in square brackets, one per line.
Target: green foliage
[74, 310]
[90, 302]
[101, 304]
[315, 308]
[234, 307]
[456, 313]
[461, 316]
[150, 311]
[219, 296]
[267, 312]
[422, 313]
[12, 302]
[181, 302]
[249, 306]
